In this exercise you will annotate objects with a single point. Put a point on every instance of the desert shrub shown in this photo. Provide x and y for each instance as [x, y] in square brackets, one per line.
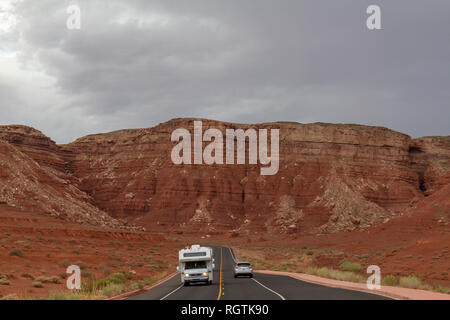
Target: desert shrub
[57, 296]
[37, 284]
[426, 287]
[81, 264]
[119, 277]
[134, 285]
[107, 271]
[149, 281]
[441, 289]
[11, 296]
[27, 275]
[132, 263]
[89, 283]
[65, 263]
[138, 285]
[42, 279]
[113, 289]
[75, 295]
[389, 280]
[16, 252]
[350, 266]
[336, 274]
[4, 282]
[309, 253]
[410, 282]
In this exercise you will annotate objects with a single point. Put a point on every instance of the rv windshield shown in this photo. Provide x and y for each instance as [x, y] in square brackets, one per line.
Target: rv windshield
[195, 265]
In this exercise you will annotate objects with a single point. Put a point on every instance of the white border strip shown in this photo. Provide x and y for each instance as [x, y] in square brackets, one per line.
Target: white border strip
[173, 291]
[282, 298]
[232, 254]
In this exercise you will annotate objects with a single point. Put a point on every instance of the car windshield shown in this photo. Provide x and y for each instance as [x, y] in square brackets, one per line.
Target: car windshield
[195, 265]
[243, 265]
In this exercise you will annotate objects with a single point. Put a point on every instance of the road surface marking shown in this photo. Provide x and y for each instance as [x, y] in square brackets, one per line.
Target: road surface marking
[220, 281]
[282, 298]
[232, 254]
[171, 292]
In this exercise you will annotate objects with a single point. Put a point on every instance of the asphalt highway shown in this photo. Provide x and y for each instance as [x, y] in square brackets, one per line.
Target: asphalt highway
[260, 287]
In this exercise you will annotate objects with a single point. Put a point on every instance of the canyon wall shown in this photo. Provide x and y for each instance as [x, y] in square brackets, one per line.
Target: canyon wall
[331, 177]
[33, 177]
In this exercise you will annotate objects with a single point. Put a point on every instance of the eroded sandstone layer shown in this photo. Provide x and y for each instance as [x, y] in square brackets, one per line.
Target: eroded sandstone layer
[332, 177]
[34, 177]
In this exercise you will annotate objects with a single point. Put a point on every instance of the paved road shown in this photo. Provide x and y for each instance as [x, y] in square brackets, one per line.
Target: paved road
[261, 287]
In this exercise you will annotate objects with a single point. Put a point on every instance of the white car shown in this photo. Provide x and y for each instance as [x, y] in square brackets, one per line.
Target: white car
[243, 269]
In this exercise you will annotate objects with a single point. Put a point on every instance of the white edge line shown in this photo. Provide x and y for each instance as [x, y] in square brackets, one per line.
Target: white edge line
[171, 292]
[282, 298]
[232, 254]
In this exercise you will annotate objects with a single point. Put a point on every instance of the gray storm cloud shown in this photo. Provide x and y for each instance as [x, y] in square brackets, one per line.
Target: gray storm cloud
[138, 63]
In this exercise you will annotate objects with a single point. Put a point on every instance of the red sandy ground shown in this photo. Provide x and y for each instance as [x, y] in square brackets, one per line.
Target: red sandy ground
[48, 244]
[411, 244]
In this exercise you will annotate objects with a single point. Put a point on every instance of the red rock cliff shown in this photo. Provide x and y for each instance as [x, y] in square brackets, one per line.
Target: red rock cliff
[33, 177]
[331, 177]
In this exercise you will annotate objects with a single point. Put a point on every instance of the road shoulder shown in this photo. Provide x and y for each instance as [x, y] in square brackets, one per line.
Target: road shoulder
[128, 294]
[387, 291]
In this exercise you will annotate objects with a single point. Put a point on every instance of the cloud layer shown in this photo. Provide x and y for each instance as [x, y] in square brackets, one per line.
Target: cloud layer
[138, 63]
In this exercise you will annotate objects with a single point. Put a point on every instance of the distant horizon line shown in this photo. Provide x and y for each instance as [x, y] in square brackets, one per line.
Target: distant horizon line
[281, 122]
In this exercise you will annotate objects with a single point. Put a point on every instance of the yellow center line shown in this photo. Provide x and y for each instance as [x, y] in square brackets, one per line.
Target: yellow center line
[220, 281]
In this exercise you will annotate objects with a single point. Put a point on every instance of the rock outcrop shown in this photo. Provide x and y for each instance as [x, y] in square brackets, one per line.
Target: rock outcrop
[32, 178]
[331, 177]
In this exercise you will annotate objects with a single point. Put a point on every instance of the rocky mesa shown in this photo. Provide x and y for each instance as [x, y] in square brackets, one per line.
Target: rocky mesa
[332, 177]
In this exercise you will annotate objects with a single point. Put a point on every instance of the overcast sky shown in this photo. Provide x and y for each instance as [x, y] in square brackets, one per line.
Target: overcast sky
[138, 63]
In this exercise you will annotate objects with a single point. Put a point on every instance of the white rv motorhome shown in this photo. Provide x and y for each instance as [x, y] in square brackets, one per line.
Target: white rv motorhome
[196, 264]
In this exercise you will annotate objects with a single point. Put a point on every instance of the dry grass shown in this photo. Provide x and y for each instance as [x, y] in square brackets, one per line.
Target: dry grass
[16, 252]
[412, 282]
[350, 266]
[303, 260]
[336, 274]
